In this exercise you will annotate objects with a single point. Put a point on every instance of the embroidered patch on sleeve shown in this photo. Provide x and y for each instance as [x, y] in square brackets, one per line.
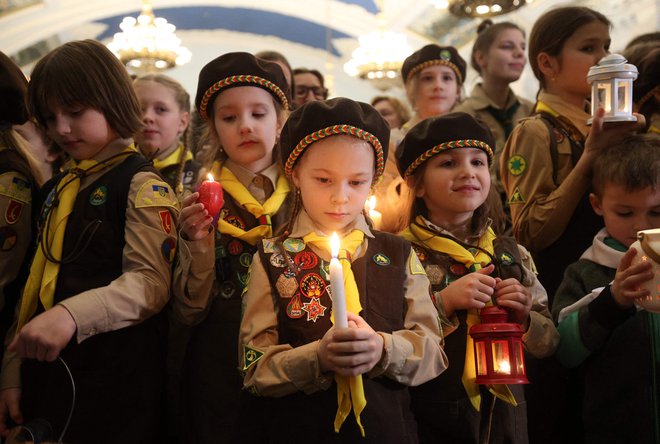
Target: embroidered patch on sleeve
[155, 193]
[13, 211]
[516, 165]
[250, 356]
[15, 188]
[415, 265]
[516, 197]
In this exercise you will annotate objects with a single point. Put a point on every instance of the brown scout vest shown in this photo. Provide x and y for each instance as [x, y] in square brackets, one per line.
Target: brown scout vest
[296, 273]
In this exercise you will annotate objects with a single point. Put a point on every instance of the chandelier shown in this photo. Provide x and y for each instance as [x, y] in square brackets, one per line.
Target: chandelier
[479, 8]
[148, 44]
[379, 56]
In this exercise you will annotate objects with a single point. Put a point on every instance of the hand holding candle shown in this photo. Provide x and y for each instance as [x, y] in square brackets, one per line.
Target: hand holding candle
[210, 195]
[337, 285]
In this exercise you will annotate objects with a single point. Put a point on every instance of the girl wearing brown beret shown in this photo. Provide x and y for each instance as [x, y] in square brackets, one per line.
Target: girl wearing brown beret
[325, 380]
[244, 101]
[445, 161]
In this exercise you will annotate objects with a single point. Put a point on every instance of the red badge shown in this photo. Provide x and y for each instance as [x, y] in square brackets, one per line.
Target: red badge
[314, 309]
[421, 254]
[166, 221]
[294, 308]
[312, 285]
[306, 260]
[458, 269]
[13, 211]
[235, 247]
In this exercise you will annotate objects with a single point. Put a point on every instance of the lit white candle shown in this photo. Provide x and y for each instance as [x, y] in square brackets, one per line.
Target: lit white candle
[375, 216]
[337, 284]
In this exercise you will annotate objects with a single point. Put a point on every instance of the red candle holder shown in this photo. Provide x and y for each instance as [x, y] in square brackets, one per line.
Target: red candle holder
[211, 196]
[498, 348]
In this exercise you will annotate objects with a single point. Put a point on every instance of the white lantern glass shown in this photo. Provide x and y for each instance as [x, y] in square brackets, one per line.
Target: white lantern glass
[611, 88]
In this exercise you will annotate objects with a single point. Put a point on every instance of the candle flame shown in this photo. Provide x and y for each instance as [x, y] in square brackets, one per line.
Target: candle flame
[209, 176]
[334, 245]
[504, 367]
[371, 202]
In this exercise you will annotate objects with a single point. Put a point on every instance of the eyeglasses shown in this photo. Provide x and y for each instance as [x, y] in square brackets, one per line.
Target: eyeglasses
[319, 93]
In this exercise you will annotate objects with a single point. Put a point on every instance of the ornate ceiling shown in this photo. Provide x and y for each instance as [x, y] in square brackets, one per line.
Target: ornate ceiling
[313, 33]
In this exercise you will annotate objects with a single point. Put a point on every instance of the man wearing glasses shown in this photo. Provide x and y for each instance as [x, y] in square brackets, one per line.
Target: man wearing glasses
[309, 86]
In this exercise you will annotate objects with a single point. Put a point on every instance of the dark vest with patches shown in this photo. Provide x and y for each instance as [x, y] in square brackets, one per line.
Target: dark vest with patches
[128, 360]
[11, 161]
[233, 256]
[387, 417]
[441, 405]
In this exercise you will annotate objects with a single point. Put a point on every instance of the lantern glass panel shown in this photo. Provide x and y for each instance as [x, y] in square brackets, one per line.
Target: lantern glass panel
[482, 365]
[501, 353]
[520, 360]
[604, 96]
[622, 96]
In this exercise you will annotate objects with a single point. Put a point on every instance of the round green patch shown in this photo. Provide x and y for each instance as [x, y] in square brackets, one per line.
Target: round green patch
[516, 165]
[99, 196]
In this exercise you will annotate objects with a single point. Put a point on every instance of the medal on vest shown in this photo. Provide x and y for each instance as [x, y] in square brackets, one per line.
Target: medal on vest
[294, 307]
[293, 245]
[306, 260]
[277, 260]
[312, 285]
[314, 309]
[286, 286]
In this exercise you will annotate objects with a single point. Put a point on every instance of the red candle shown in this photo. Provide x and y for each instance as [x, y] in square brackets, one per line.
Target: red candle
[210, 195]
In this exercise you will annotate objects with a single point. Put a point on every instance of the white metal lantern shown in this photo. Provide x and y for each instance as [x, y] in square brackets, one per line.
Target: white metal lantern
[611, 88]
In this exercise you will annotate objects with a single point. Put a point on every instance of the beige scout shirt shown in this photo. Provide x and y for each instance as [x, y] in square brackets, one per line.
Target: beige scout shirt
[541, 338]
[15, 226]
[477, 104]
[411, 357]
[540, 210]
[194, 283]
[143, 288]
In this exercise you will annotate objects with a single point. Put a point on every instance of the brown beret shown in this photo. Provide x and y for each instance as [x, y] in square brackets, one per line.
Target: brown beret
[239, 69]
[317, 120]
[431, 55]
[439, 134]
[13, 86]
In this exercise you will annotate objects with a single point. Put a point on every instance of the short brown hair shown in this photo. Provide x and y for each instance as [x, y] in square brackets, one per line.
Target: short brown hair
[85, 73]
[633, 163]
[552, 29]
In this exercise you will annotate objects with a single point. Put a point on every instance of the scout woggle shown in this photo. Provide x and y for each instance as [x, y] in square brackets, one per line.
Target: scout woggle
[211, 196]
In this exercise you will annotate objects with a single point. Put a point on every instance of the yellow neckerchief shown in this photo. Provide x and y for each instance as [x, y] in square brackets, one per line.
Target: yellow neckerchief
[350, 391]
[173, 158]
[654, 129]
[46, 264]
[242, 196]
[418, 233]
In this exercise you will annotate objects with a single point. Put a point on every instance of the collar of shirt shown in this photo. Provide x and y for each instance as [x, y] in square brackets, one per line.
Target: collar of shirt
[480, 99]
[254, 183]
[111, 149]
[577, 116]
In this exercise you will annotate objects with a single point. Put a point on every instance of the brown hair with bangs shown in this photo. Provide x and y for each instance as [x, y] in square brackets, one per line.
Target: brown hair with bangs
[85, 74]
[552, 29]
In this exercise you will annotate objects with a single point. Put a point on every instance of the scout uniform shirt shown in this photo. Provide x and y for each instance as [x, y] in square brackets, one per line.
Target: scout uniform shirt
[279, 345]
[17, 188]
[482, 107]
[439, 402]
[549, 206]
[113, 283]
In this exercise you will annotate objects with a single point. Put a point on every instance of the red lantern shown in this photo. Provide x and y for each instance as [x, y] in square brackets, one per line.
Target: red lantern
[498, 348]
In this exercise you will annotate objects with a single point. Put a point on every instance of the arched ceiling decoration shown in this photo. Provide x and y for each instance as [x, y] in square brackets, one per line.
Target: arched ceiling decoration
[315, 33]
